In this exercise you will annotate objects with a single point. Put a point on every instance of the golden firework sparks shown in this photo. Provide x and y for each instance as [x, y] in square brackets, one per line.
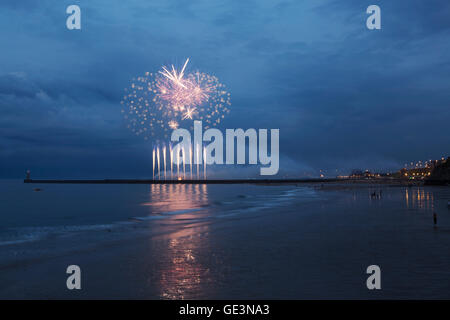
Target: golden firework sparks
[158, 102]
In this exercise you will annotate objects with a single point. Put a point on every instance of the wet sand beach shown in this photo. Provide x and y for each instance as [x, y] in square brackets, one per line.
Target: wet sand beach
[224, 242]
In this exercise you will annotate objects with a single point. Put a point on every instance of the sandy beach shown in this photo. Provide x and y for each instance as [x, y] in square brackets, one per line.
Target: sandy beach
[223, 242]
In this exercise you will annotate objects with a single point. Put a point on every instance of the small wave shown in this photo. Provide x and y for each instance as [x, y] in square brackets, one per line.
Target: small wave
[182, 211]
[18, 241]
[164, 215]
[264, 202]
[147, 218]
[30, 234]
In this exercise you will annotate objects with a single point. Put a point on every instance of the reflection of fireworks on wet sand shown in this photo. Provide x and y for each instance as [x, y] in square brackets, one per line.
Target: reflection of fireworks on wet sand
[180, 269]
[157, 103]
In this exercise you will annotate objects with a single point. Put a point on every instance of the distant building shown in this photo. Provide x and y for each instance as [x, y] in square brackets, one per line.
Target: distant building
[441, 171]
[433, 170]
[415, 174]
[356, 174]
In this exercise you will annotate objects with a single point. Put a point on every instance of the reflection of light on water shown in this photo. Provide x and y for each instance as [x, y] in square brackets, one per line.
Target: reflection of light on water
[407, 198]
[166, 198]
[419, 198]
[181, 271]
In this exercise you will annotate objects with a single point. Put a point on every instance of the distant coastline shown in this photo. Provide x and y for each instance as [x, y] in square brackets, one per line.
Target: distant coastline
[186, 181]
[389, 181]
[433, 173]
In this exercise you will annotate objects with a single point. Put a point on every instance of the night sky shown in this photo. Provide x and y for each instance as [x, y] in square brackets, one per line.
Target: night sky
[342, 96]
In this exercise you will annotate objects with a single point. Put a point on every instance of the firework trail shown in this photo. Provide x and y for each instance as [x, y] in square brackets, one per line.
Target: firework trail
[204, 163]
[165, 166]
[159, 163]
[157, 103]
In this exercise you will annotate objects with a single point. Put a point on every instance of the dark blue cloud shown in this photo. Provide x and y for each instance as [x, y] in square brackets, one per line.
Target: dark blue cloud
[342, 96]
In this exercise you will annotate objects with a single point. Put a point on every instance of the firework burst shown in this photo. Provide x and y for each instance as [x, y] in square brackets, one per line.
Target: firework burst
[159, 102]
